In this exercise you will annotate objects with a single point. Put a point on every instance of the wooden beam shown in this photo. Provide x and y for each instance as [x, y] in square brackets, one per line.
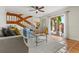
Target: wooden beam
[29, 23]
[27, 17]
[21, 25]
[23, 19]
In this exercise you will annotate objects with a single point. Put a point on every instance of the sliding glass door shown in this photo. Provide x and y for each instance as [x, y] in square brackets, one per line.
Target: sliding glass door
[57, 25]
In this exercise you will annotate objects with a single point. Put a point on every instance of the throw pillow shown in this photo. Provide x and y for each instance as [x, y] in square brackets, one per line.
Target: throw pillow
[4, 30]
[11, 32]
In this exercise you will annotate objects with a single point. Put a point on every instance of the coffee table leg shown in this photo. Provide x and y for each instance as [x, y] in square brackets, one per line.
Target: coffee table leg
[36, 41]
[46, 38]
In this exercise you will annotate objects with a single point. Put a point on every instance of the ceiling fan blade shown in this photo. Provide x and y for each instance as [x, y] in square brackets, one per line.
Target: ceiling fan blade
[41, 7]
[32, 10]
[38, 8]
[35, 7]
[41, 10]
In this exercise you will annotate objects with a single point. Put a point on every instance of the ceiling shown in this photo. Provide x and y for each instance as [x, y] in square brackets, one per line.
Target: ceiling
[26, 10]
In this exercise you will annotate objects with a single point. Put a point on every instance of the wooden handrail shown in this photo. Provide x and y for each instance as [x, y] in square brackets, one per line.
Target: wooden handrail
[13, 14]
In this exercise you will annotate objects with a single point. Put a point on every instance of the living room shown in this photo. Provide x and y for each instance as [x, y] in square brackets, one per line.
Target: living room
[38, 19]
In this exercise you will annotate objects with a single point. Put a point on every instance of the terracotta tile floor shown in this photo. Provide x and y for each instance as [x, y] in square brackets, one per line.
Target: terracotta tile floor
[72, 45]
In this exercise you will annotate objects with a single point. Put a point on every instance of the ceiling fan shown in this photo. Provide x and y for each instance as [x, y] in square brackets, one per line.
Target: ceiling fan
[37, 8]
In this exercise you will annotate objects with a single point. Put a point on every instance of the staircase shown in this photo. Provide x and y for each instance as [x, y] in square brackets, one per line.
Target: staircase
[13, 18]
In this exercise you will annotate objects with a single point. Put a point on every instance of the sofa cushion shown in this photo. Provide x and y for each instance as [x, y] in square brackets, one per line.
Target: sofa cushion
[1, 34]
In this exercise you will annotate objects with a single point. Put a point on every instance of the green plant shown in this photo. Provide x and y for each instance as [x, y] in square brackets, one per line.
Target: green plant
[59, 20]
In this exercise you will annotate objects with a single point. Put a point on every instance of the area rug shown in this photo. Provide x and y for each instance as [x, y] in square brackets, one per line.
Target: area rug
[51, 46]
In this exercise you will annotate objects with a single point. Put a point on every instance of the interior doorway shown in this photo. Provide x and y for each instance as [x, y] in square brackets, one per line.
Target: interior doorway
[57, 25]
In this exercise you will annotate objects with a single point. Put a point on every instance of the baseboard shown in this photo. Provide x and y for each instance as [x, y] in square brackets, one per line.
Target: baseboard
[72, 39]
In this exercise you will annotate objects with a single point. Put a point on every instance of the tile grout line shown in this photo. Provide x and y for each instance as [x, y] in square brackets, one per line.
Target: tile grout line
[72, 46]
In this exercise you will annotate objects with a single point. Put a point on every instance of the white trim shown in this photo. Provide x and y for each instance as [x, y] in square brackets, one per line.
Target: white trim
[10, 37]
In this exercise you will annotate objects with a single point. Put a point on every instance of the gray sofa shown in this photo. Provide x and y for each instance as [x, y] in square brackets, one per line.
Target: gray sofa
[12, 44]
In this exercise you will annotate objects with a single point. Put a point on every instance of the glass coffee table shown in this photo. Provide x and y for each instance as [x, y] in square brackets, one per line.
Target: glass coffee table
[37, 35]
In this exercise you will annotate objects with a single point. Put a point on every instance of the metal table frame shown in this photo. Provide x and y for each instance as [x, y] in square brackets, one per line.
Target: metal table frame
[37, 35]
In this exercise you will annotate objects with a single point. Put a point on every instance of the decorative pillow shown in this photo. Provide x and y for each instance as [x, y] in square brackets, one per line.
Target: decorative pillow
[4, 30]
[17, 31]
[11, 32]
[24, 32]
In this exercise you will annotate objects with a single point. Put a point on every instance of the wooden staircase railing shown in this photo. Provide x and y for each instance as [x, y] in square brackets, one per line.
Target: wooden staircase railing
[17, 19]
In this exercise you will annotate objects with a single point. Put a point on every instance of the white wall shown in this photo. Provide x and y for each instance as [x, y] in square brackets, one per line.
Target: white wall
[74, 23]
[2, 17]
